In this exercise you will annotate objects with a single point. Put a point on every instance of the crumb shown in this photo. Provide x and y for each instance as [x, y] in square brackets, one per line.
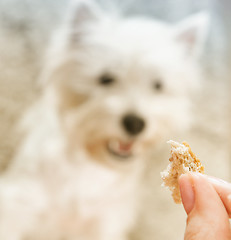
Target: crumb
[182, 160]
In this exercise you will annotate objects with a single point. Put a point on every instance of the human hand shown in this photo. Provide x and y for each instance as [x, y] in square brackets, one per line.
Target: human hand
[207, 202]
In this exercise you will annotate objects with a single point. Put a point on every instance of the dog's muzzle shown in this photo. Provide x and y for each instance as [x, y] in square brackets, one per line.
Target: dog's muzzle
[124, 149]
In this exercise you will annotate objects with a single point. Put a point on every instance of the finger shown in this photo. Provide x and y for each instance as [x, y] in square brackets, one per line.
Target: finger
[208, 218]
[223, 188]
[187, 192]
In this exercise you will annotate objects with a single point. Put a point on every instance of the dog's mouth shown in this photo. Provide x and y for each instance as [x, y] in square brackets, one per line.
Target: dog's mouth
[120, 149]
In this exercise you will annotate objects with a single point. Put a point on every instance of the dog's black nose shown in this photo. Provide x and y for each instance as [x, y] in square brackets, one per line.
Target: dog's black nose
[133, 124]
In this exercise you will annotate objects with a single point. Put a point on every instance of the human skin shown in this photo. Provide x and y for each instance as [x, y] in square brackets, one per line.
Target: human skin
[207, 202]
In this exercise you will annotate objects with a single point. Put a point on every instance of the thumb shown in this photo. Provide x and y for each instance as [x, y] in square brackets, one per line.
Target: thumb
[207, 216]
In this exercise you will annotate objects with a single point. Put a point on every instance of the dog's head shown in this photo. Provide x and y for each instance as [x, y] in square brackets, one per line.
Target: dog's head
[123, 84]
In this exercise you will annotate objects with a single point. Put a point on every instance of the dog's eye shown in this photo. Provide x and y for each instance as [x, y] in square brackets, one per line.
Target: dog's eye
[158, 85]
[106, 79]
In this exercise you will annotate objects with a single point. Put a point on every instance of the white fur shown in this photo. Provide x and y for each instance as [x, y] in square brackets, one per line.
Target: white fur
[64, 183]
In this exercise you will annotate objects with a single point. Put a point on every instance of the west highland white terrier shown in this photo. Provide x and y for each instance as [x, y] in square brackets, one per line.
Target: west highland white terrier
[113, 89]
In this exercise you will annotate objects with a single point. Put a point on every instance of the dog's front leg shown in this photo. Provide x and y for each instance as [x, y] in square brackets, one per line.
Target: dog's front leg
[21, 202]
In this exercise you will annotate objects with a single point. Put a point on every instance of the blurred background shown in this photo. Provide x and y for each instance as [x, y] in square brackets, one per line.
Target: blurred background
[25, 29]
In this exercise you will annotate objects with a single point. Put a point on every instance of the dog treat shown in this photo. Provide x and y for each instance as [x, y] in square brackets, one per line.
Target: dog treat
[182, 160]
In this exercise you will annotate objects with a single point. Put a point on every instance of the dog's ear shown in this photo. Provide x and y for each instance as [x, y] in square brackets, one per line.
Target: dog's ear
[81, 14]
[192, 33]
[83, 11]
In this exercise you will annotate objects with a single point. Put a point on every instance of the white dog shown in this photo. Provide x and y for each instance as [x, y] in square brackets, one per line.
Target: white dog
[113, 89]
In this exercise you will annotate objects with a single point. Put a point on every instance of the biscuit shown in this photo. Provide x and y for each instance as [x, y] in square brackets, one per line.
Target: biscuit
[182, 160]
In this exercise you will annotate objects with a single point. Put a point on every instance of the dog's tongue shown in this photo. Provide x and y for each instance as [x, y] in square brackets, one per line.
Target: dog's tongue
[125, 147]
[120, 148]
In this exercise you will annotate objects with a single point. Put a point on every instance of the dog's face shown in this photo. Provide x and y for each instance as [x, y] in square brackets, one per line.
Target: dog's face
[123, 85]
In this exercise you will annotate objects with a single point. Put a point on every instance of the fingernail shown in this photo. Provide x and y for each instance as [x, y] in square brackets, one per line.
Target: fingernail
[217, 181]
[187, 192]
[229, 198]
